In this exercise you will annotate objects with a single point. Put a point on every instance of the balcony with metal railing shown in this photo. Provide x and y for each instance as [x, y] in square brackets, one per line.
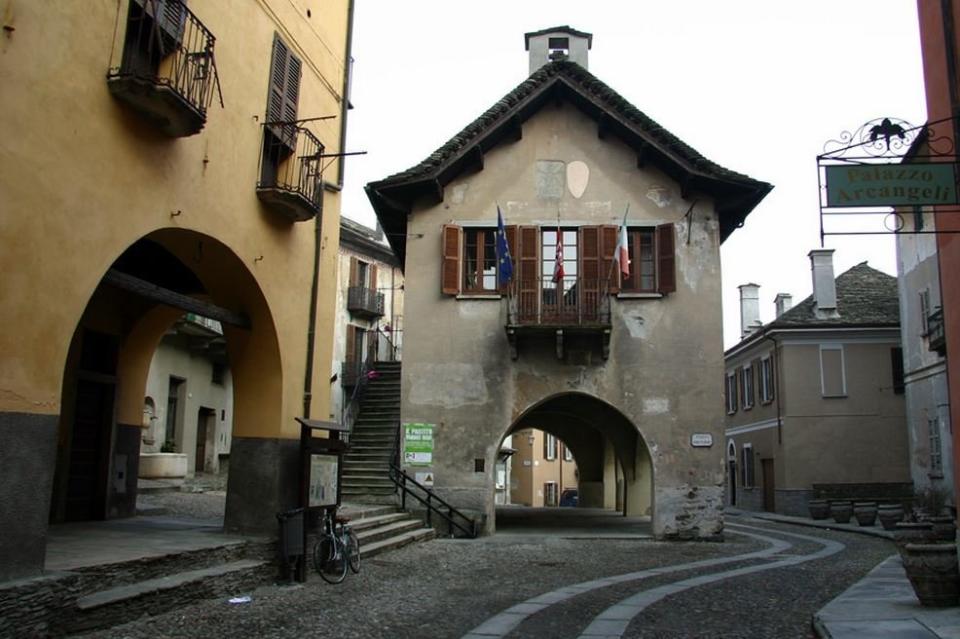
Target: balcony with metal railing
[575, 306]
[290, 168]
[167, 72]
[936, 337]
[364, 302]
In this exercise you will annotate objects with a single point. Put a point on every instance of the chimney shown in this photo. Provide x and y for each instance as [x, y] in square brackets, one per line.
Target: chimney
[824, 286]
[749, 308]
[557, 43]
[783, 302]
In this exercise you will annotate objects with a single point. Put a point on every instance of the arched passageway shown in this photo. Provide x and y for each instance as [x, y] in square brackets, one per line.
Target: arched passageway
[614, 466]
[148, 288]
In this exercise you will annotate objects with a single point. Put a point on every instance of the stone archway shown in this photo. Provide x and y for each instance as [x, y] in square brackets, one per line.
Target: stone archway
[146, 289]
[615, 466]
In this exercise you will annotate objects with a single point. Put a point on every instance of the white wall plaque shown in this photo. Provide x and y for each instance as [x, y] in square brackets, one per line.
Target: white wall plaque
[701, 440]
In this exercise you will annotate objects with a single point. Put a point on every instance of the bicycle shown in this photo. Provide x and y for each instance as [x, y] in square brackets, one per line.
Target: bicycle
[337, 547]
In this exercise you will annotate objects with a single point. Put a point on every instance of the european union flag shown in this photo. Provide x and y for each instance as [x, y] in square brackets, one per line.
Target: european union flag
[504, 262]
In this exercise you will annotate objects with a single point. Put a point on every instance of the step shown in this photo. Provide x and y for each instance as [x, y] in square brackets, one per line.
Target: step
[358, 479]
[360, 490]
[392, 543]
[359, 512]
[391, 529]
[381, 468]
[153, 596]
[367, 523]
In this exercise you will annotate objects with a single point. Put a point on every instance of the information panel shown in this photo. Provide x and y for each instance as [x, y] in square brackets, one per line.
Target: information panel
[417, 444]
[323, 480]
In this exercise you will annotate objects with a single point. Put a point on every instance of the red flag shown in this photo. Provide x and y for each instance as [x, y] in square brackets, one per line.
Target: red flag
[558, 264]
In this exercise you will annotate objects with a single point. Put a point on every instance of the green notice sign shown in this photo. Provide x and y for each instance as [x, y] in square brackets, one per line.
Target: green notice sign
[417, 444]
[870, 185]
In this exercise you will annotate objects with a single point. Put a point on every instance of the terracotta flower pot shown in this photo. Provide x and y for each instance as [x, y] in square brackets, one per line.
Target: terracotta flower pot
[819, 508]
[865, 512]
[890, 515]
[841, 511]
[908, 532]
[944, 528]
[932, 570]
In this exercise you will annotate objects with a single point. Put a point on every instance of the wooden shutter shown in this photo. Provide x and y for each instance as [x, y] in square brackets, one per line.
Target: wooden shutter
[354, 268]
[666, 259]
[284, 92]
[170, 18]
[450, 277]
[510, 231]
[609, 236]
[590, 272]
[528, 265]
[372, 285]
[351, 342]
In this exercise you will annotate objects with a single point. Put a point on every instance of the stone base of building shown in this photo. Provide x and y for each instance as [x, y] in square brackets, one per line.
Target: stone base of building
[27, 463]
[264, 480]
[793, 502]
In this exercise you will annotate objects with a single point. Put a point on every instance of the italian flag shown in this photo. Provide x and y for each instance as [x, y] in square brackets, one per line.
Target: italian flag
[622, 254]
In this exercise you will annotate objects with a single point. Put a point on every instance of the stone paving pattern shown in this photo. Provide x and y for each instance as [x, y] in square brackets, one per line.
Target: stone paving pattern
[444, 588]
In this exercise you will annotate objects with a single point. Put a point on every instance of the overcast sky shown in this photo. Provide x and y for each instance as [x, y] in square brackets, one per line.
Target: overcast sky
[756, 86]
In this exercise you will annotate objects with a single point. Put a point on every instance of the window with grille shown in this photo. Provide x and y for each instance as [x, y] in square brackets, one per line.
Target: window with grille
[550, 493]
[766, 380]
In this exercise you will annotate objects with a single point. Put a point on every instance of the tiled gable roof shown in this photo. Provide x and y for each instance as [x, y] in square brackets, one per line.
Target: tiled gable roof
[579, 77]
[865, 297]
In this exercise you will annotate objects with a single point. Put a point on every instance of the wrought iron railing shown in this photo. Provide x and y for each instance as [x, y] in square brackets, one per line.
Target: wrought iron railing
[167, 45]
[574, 301]
[290, 164]
[368, 301]
[435, 506]
[936, 336]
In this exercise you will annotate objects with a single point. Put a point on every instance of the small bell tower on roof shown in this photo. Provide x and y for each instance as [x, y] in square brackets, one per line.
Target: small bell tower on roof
[557, 43]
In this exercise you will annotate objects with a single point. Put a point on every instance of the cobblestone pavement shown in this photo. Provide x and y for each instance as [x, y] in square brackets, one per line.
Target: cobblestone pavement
[446, 588]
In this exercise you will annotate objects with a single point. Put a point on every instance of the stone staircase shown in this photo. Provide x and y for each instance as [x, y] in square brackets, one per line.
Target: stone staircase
[383, 528]
[366, 466]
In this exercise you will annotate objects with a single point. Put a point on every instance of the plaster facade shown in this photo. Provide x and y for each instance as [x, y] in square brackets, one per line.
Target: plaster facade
[89, 186]
[925, 369]
[457, 368]
[799, 432]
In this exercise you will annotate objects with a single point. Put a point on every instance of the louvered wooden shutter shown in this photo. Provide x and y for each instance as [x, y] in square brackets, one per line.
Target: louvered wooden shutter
[351, 343]
[591, 278]
[511, 232]
[353, 271]
[609, 236]
[528, 263]
[450, 272]
[284, 93]
[666, 259]
[170, 18]
[372, 285]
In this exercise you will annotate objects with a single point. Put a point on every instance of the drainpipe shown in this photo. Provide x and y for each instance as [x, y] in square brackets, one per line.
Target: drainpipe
[318, 228]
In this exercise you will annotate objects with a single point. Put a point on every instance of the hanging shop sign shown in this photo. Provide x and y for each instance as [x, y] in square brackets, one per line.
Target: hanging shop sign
[417, 444]
[908, 184]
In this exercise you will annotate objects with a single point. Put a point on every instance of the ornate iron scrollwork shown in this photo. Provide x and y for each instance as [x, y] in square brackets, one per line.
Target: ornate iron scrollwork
[888, 138]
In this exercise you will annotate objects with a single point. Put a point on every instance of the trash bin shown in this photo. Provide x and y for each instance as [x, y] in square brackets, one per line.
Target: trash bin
[291, 541]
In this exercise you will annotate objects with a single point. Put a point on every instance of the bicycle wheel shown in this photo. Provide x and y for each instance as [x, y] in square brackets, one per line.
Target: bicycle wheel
[329, 560]
[353, 551]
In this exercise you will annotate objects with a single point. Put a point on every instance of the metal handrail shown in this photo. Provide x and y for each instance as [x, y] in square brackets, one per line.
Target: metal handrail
[391, 347]
[433, 502]
[171, 47]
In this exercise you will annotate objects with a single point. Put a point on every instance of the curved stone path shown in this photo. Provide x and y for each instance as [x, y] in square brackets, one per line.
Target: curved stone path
[614, 620]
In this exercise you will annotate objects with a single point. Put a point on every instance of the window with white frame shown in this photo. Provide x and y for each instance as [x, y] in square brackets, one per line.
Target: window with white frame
[549, 447]
[731, 393]
[766, 380]
[936, 451]
[746, 466]
[833, 380]
[747, 386]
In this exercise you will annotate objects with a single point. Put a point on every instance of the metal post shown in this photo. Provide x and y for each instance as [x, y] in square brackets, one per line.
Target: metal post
[429, 510]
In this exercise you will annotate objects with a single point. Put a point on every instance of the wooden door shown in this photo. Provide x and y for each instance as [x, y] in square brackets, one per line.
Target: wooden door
[732, 476]
[201, 450]
[89, 451]
[769, 488]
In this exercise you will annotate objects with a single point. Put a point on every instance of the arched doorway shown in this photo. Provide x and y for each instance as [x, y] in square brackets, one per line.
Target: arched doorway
[614, 466]
[149, 287]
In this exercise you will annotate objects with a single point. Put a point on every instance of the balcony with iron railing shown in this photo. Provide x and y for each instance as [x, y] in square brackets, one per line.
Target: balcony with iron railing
[936, 337]
[573, 306]
[364, 302]
[167, 72]
[290, 168]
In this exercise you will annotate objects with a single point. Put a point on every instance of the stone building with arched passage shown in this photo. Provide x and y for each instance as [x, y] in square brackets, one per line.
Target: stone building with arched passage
[619, 358]
[183, 161]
